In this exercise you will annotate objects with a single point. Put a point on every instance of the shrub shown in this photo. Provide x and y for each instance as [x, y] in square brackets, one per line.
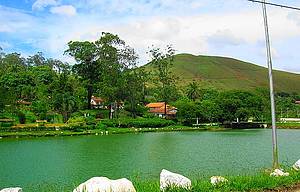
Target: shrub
[138, 123]
[90, 120]
[101, 126]
[21, 116]
[30, 116]
[77, 120]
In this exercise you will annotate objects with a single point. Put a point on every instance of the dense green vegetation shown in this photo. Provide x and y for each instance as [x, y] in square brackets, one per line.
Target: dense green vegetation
[36, 88]
[228, 74]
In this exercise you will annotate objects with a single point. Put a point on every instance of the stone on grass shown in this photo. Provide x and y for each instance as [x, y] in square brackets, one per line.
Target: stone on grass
[215, 180]
[296, 166]
[169, 179]
[13, 189]
[279, 173]
[103, 184]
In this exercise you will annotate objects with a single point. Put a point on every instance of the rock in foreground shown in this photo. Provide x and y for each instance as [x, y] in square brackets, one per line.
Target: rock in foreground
[169, 179]
[103, 184]
[215, 180]
[15, 189]
[279, 173]
[296, 166]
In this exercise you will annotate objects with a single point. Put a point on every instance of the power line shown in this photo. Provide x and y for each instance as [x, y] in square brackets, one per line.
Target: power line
[275, 4]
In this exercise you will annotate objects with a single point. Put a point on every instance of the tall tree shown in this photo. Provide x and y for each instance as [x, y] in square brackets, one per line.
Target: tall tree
[134, 82]
[163, 63]
[87, 66]
[64, 98]
[117, 60]
[102, 64]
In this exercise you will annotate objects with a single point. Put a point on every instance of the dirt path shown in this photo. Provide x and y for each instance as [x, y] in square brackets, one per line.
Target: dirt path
[295, 188]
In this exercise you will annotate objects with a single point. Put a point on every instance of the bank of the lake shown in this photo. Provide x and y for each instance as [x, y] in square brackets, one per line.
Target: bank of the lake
[48, 133]
[60, 131]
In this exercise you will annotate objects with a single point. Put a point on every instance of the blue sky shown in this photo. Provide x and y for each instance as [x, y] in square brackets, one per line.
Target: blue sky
[232, 28]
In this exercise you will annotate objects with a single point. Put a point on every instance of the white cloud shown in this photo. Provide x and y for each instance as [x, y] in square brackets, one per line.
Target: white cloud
[223, 38]
[41, 4]
[67, 10]
[13, 20]
[5, 45]
[207, 32]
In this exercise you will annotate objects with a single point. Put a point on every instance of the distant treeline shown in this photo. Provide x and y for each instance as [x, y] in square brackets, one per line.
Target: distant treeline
[43, 88]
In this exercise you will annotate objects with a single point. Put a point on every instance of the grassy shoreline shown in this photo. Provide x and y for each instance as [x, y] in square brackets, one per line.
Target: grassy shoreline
[107, 131]
[114, 130]
[252, 183]
[259, 182]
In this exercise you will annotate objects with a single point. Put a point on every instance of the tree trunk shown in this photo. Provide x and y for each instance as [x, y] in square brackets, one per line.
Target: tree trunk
[111, 111]
[165, 110]
[90, 94]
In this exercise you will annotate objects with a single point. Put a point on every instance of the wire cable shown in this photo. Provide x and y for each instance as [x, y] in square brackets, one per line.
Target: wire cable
[275, 4]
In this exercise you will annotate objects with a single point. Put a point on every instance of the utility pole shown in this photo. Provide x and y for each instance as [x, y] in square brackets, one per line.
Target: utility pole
[269, 61]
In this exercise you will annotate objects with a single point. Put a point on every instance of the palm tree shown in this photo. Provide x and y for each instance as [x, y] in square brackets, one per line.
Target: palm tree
[193, 91]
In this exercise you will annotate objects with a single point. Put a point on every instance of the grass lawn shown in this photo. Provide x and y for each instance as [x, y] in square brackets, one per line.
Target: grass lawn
[259, 182]
[254, 183]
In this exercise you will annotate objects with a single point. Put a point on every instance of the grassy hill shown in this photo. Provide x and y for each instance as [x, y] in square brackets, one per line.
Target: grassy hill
[227, 73]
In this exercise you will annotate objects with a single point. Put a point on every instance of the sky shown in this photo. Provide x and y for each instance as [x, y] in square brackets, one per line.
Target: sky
[231, 28]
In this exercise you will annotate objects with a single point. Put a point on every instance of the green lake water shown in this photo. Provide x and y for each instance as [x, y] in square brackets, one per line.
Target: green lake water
[61, 163]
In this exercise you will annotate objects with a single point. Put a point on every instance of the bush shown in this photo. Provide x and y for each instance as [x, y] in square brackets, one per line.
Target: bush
[77, 120]
[30, 116]
[138, 123]
[90, 120]
[101, 126]
[21, 116]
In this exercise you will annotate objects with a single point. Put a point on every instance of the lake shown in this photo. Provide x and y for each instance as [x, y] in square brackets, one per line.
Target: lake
[61, 163]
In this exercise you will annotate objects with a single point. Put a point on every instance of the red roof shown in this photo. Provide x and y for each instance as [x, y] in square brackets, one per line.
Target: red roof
[159, 108]
[97, 100]
[156, 105]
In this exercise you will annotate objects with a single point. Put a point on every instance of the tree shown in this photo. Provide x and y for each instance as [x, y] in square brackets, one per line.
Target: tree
[193, 91]
[101, 65]
[135, 92]
[210, 110]
[117, 61]
[64, 98]
[36, 60]
[186, 110]
[87, 66]
[163, 63]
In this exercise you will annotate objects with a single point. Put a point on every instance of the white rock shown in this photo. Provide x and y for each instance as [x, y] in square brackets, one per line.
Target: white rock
[15, 189]
[169, 179]
[215, 180]
[279, 173]
[103, 184]
[296, 166]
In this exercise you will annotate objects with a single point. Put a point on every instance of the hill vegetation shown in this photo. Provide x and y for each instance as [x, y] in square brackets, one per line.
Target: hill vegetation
[228, 74]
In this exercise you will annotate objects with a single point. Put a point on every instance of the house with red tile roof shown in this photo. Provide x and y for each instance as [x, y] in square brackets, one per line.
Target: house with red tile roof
[97, 102]
[159, 109]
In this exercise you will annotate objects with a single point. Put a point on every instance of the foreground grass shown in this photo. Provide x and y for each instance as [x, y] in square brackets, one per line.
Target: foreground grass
[254, 183]
[259, 182]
